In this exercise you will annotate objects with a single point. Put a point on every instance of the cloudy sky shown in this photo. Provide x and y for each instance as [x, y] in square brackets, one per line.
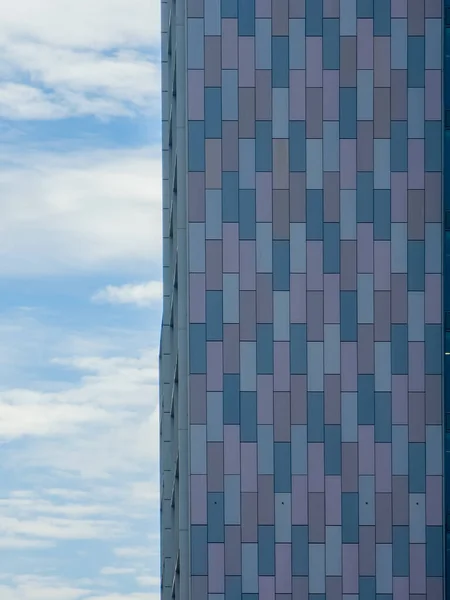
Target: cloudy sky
[79, 299]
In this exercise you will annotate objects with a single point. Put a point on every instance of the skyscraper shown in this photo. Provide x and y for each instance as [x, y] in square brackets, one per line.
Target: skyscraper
[302, 355]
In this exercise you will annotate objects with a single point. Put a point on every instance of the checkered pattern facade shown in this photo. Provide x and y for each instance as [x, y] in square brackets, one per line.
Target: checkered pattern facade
[302, 438]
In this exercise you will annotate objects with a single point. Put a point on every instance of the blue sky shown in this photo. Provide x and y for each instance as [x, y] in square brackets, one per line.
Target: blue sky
[79, 299]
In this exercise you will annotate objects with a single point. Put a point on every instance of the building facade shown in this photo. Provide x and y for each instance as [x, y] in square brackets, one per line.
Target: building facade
[301, 369]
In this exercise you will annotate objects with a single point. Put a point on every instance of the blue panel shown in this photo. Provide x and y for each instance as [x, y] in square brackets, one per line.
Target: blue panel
[333, 450]
[347, 112]
[214, 315]
[298, 349]
[263, 146]
[367, 588]
[229, 9]
[382, 215]
[197, 348]
[280, 61]
[383, 417]
[416, 266]
[231, 384]
[399, 346]
[434, 551]
[196, 146]
[331, 248]
[264, 348]
[417, 468]
[366, 400]
[246, 22]
[216, 518]
[199, 550]
[282, 467]
[349, 312]
[213, 112]
[314, 214]
[350, 521]
[399, 146]
[266, 550]
[230, 95]
[433, 146]
[247, 214]
[382, 18]
[364, 9]
[331, 44]
[297, 146]
[281, 265]
[416, 61]
[248, 417]
[230, 197]
[233, 588]
[315, 419]
[433, 349]
[400, 551]
[399, 44]
[314, 17]
[364, 197]
[300, 551]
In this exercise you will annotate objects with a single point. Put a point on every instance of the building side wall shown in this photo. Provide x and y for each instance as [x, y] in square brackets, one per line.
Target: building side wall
[314, 218]
[174, 448]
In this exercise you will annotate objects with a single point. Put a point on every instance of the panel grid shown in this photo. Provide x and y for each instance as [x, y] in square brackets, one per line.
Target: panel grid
[314, 254]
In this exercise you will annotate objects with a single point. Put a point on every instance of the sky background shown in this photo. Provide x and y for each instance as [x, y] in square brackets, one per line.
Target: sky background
[79, 299]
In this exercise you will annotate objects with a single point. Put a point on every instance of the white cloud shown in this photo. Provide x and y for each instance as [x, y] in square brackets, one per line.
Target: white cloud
[66, 494]
[100, 426]
[61, 529]
[117, 571]
[36, 504]
[132, 596]
[18, 543]
[78, 83]
[83, 24]
[133, 552]
[19, 101]
[144, 492]
[68, 213]
[78, 59]
[125, 449]
[142, 295]
[34, 587]
[112, 392]
[79, 211]
[148, 581]
[23, 413]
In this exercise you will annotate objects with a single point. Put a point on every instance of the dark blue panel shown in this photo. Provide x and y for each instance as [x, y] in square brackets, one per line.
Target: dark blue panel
[247, 214]
[230, 197]
[246, 15]
[264, 348]
[280, 61]
[231, 412]
[282, 467]
[248, 417]
[197, 348]
[297, 146]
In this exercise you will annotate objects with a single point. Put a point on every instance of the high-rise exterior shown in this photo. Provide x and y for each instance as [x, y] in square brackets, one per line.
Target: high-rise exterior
[302, 354]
